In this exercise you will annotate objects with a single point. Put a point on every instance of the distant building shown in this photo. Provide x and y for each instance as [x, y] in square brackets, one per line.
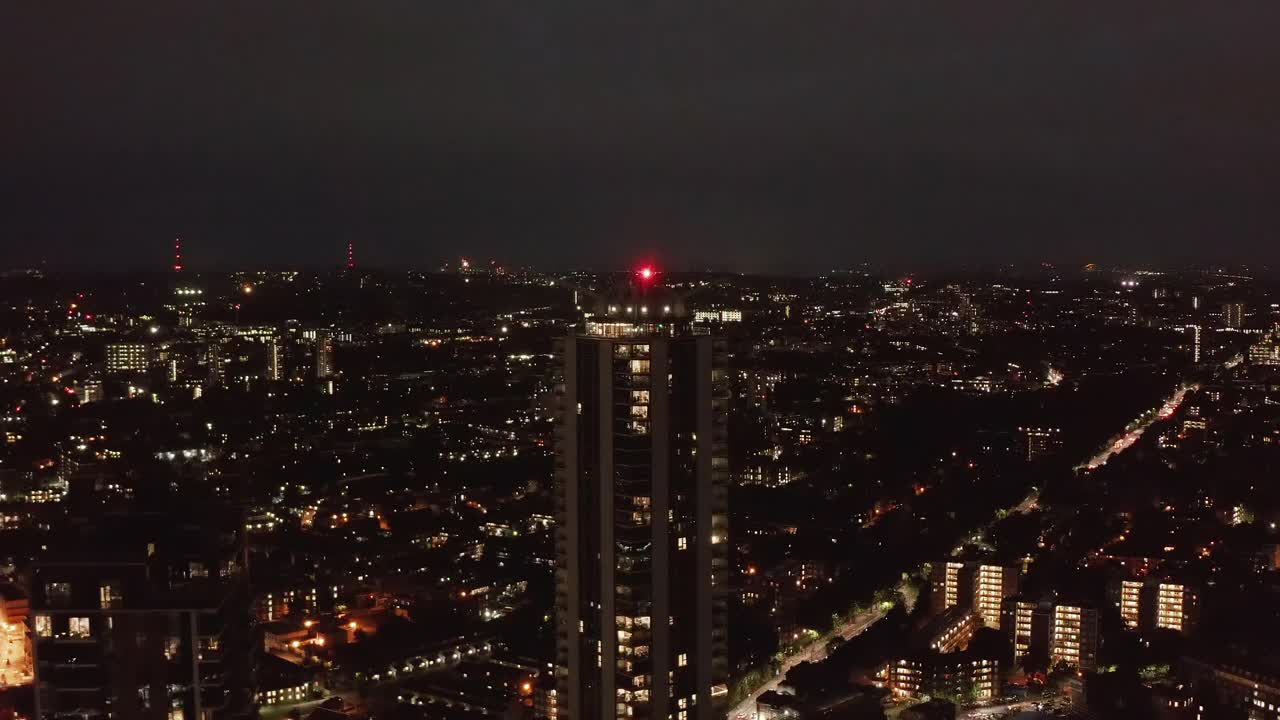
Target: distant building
[958, 674]
[720, 316]
[1267, 351]
[1026, 623]
[977, 585]
[90, 391]
[216, 365]
[1041, 442]
[1250, 691]
[1158, 604]
[275, 359]
[953, 630]
[1233, 315]
[283, 682]
[769, 474]
[1075, 637]
[128, 357]
[1061, 633]
[325, 368]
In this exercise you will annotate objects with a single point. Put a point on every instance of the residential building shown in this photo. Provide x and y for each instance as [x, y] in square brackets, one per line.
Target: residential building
[641, 499]
[1158, 604]
[1233, 315]
[325, 367]
[128, 357]
[1075, 637]
[977, 585]
[1055, 631]
[1041, 442]
[957, 674]
[953, 630]
[143, 616]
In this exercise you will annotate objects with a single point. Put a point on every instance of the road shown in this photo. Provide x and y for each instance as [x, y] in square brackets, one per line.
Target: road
[995, 711]
[1043, 707]
[815, 652]
[1131, 434]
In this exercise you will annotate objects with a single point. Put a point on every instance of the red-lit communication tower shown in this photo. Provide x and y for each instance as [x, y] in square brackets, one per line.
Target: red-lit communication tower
[177, 255]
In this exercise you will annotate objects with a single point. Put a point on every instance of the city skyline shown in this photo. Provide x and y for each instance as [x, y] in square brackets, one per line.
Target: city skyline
[403, 360]
[489, 490]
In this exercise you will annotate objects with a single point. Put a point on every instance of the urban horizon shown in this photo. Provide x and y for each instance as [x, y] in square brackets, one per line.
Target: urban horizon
[583, 360]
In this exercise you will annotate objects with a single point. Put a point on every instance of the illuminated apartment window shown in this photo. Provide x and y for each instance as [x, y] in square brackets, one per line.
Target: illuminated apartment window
[106, 596]
[78, 627]
[682, 659]
[44, 626]
[682, 543]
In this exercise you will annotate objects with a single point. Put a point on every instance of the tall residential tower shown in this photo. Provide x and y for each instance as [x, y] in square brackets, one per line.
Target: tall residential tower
[642, 505]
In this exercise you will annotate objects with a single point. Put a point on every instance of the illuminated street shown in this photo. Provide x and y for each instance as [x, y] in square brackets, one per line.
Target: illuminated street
[815, 652]
[1134, 432]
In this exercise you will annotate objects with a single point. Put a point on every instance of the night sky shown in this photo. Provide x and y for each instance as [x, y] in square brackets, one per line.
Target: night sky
[749, 135]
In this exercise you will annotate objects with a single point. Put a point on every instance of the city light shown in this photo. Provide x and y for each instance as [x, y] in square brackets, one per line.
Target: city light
[971, 415]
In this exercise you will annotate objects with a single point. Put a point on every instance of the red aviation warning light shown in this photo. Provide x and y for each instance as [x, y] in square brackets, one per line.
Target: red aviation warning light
[351, 256]
[646, 273]
[177, 255]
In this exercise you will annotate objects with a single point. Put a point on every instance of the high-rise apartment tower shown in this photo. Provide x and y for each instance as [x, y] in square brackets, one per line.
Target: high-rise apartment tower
[642, 504]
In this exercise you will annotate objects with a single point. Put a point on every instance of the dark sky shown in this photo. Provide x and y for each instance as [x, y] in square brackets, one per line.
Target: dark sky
[748, 135]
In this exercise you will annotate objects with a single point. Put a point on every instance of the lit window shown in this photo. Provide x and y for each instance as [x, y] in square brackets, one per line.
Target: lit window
[682, 543]
[682, 659]
[44, 627]
[78, 627]
[106, 596]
